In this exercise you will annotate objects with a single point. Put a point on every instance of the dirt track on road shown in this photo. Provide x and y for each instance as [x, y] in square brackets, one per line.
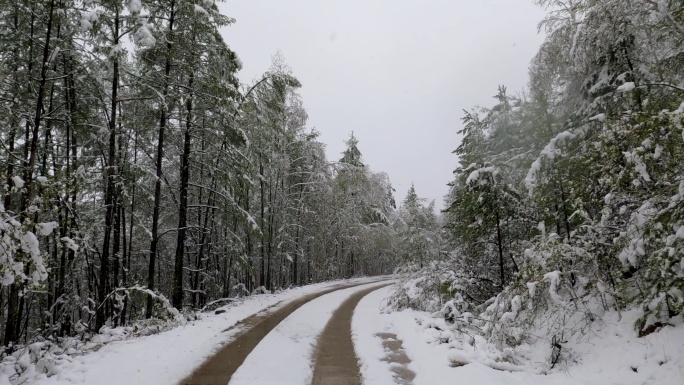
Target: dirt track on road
[335, 360]
[219, 369]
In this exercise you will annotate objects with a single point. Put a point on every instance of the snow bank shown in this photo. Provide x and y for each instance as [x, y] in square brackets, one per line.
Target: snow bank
[425, 341]
[612, 354]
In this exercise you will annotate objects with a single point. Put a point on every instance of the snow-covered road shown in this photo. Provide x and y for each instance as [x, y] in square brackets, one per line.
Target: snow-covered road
[168, 357]
[285, 356]
[390, 348]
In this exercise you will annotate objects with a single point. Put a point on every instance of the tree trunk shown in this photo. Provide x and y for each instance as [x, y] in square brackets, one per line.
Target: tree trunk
[183, 207]
[351, 264]
[14, 310]
[110, 193]
[13, 124]
[262, 280]
[159, 172]
[499, 243]
[250, 279]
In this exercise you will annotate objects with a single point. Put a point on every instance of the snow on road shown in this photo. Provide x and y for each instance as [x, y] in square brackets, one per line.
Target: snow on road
[614, 355]
[366, 323]
[167, 357]
[284, 356]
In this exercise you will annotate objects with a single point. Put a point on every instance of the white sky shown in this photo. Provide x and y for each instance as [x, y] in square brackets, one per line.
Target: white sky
[396, 72]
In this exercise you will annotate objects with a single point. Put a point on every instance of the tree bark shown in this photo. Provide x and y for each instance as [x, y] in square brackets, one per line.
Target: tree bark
[499, 243]
[14, 310]
[159, 172]
[183, 207]
[262, 280]
[104, 284]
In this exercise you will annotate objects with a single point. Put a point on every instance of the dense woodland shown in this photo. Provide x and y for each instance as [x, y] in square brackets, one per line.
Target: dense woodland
[141, 181]
[568, 200]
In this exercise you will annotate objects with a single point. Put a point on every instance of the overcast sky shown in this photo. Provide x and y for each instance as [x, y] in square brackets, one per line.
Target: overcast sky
[396, 72]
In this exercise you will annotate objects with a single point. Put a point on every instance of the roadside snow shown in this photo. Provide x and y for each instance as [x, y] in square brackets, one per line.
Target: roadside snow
[611, 355]
[366, 323]
[615, 355]
[168, 357]
[285, 355]
[430, 359]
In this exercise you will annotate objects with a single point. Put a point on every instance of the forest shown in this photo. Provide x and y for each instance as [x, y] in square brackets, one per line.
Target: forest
[143, 182]
[567, 201]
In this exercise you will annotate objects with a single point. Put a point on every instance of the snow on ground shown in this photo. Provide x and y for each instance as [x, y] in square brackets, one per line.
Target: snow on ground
[366, 323]
[611, 355]
[285, 355]
[429, 360]
[614, 355]
[167, 357]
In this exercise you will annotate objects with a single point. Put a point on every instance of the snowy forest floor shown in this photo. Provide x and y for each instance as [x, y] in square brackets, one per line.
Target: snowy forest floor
[406, 347]
[612, 355]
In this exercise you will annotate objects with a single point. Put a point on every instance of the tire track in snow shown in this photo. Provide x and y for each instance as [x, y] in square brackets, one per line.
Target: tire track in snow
[219, 369]
[336, 362]
[396, 355]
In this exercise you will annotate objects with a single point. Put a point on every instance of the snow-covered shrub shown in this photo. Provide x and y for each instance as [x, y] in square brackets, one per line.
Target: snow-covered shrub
[39, 359]
[18, 248]
[45, 358]
[433, 288]
[650, 245]
[557, 295]
[165, 315]
[662, 296]
[42, 358]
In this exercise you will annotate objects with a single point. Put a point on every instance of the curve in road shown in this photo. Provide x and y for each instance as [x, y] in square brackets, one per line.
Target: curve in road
[219, 369]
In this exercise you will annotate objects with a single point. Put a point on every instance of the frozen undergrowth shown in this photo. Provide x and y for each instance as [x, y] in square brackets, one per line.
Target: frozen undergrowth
[610, 354]
[45, 357]
[544, 323]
